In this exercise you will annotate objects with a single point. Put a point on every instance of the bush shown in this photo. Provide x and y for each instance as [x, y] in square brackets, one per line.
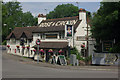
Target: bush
[79, 57]
[74, 51]
[89, 58]
[4, 42]
[115, 49]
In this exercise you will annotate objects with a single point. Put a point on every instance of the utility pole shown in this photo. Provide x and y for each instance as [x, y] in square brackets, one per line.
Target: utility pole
[87, 38]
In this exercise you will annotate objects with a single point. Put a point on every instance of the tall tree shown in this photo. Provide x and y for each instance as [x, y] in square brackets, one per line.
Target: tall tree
[13, 16]
[64, 10]
[10, 12]
[105, 24]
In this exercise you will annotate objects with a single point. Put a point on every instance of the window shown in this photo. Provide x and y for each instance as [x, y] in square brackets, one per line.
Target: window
[12, 41]
[25, 40]
[61, 35]
[81, 38]
[30, 41]
[51, 36]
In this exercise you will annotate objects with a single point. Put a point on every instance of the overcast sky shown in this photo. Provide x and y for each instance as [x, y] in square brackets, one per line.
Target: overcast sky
[39, 7]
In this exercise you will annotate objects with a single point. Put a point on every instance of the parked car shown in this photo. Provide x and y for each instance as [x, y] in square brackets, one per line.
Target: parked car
[2, 47]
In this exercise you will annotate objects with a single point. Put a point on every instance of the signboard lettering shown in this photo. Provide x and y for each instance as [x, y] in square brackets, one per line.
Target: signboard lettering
[107, 45]
[58, 23]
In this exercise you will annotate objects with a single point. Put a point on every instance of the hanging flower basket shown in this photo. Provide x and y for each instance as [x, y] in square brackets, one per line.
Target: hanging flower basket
[83, 46]
[51, 51]
[23, 47]
[60, 52]
[27, 46]
[8, 46]
[41, 50]
[34, 50]
[17, 46]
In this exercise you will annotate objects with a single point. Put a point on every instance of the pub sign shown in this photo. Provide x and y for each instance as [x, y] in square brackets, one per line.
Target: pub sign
[68, 30]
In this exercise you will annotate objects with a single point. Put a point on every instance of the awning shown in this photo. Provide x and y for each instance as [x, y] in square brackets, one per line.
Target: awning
[51, 45]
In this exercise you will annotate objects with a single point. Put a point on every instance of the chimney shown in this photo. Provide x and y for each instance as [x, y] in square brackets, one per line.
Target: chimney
[82, 14]
[40, 18]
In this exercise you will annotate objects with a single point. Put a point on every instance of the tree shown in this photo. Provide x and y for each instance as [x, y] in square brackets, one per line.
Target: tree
[64, 10]
[105, 24]
[13, 16]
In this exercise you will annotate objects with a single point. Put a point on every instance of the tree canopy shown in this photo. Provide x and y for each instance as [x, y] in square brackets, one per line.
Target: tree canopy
[64, 10]
[105, 24]
[13, 16]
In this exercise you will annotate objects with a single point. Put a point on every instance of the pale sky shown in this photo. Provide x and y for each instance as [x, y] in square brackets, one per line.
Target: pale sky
[39, 7]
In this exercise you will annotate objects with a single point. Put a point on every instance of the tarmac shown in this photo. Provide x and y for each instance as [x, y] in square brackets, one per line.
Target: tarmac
[29, 61]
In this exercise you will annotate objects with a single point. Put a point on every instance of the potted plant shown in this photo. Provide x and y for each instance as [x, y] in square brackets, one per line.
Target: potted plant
[28, 47]
[82, 46]
[42, 53]
[60, 52]
[34, 50]
[8, 46]
[17, 46]
[23, 47]
[88, 60]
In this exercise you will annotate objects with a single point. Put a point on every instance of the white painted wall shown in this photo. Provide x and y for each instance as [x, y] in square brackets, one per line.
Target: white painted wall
[40, 19]
[80, 31]
[82, 16]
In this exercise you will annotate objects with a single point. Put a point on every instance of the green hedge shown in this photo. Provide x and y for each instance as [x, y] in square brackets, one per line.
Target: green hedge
[4, 42]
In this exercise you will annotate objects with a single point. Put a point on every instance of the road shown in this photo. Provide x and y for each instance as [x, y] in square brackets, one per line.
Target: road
[12, 68]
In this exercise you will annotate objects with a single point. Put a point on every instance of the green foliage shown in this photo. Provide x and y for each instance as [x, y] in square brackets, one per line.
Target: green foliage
[115, 49]
[64, 10]
[105, 23]
[4, 42]
[74, 51]
[79, 57]
[89, 58]
[13, 16]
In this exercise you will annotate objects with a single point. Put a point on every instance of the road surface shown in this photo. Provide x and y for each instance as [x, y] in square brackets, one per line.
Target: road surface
[12, 68]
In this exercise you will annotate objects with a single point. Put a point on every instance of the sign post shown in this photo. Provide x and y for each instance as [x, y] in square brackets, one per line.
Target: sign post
[38, 43]
[69, 35]
[106, 45]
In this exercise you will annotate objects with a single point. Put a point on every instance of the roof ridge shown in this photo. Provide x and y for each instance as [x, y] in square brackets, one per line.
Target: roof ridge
[60, 18]
[27, 27]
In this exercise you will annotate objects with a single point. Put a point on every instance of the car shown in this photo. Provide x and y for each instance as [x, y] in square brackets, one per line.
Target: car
[2, 47]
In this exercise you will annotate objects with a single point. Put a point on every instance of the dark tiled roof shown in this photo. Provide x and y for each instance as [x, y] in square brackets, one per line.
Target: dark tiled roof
[62, 19]
[49, 29]
[49, 45]
[55, 28]
[18, 31]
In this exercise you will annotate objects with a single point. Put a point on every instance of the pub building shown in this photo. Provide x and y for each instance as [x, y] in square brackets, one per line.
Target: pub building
[57, 36]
